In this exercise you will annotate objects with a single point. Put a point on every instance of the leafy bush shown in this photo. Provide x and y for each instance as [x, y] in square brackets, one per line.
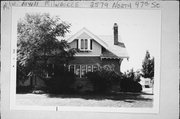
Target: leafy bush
[129, 82]
[135, 76]
[128, 85]
[61, 82]
[102, 80]
[23, 89]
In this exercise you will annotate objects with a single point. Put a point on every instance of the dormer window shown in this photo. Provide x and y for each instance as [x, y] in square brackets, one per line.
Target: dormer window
[84, 44]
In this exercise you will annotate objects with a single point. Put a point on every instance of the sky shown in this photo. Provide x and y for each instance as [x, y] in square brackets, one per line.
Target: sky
[140, 30]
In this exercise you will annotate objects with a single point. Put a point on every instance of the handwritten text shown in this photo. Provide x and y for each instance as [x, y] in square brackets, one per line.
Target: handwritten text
[5, 5]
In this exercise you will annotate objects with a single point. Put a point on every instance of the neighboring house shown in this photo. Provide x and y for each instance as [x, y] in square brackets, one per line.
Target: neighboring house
[94, 52]
[146, 82]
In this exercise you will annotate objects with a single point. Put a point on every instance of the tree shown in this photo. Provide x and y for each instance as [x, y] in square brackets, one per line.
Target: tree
[38, 44]
[148, 66]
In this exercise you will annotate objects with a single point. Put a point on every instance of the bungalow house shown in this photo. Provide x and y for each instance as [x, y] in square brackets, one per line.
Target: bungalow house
[95, 51]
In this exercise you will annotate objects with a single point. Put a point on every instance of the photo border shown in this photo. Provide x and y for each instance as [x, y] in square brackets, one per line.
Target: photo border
[13, 106]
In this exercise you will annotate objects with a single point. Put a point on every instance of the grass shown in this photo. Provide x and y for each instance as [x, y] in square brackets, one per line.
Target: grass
[118, 100]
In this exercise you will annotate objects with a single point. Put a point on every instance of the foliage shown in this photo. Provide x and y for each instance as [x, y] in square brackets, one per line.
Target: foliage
[102, 80]
[23, 89]
[135, 76]
[129, 82]
[38, 44]
[22, 73]
[128, 85]
[61, 82]
[148, 66]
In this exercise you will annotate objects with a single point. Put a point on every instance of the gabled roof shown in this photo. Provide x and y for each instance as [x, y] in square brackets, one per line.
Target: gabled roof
[108, 54]
[107, 41]
[84, 30]
[118, 50]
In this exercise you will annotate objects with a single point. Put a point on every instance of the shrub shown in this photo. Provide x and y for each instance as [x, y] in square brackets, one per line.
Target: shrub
[129, 82]
[61, 82]
[23, 89]
[135, 76]
[102, 80]
[128, 85]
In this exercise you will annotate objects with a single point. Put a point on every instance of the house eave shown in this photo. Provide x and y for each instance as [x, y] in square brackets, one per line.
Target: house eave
[114, 57]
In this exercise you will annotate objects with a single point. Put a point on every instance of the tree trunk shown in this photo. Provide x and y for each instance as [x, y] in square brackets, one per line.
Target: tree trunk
[31, 82]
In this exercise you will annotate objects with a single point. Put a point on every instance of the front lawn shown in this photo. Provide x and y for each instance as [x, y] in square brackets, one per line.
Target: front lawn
[118, 100]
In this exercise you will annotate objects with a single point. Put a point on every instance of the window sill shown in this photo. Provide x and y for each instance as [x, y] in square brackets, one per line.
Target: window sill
[85, 50]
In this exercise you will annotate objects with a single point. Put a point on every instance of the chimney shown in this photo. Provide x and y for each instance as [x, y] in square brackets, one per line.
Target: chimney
[115, 34]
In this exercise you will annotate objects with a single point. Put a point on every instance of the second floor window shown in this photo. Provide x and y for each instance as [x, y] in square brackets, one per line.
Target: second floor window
[84, 44]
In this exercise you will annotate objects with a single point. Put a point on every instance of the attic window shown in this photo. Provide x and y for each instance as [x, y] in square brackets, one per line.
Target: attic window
[82, 43]
[85, 44]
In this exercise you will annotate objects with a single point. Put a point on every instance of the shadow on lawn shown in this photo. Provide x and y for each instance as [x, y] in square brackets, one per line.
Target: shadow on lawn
[123, 96]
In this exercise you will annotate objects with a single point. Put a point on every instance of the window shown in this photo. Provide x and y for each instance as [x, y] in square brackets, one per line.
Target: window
[77, 70]
[84, 44]
[81, 70]
[71, 69]
[95, 68]
[89, 68]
